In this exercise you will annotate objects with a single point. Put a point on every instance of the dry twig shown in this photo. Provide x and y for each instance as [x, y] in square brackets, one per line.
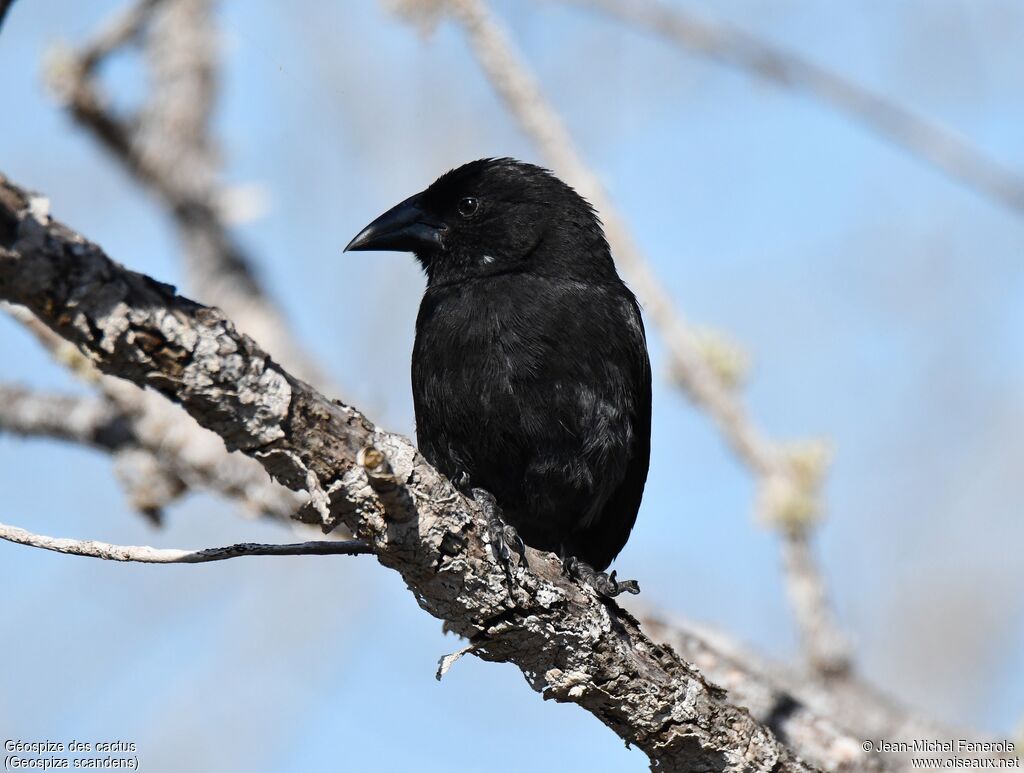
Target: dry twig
[146, 555]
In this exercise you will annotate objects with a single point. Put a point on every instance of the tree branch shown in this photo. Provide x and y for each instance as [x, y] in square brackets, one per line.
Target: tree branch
[923, 138]
[572, 645]
[146, 555]
[789, 478]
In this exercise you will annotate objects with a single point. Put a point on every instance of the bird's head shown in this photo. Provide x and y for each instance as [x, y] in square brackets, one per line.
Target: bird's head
[494, 216]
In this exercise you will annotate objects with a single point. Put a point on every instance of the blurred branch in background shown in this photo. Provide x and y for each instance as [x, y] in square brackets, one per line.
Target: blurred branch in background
[5, 6]
[86, 420]
[794, 702]
[927, 140]
[144, 554]
[788, 477]
[159, 452]
[167, 146]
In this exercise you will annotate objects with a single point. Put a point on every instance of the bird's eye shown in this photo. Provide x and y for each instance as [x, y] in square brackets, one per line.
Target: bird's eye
[468, 206]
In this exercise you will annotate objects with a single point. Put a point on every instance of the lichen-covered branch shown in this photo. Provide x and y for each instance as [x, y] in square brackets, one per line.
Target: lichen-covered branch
[144, 554]
[929, 141]
[572, 645]
[789, 477]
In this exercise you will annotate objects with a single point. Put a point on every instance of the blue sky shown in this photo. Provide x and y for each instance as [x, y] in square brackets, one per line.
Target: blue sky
[881, 304]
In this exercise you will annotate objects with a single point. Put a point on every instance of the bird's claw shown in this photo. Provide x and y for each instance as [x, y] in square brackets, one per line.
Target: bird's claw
[505, 541]
[461, 482]
[610, 586]
[607, 585]
[504, 538]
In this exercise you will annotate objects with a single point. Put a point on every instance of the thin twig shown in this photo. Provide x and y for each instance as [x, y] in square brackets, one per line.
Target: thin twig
[788, 488]
[935, 144]
[144, 554]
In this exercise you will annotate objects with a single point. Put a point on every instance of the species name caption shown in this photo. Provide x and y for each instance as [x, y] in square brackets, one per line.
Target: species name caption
[84, 755]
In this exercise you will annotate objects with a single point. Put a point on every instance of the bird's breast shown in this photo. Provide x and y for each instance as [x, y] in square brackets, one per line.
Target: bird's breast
[477, 326]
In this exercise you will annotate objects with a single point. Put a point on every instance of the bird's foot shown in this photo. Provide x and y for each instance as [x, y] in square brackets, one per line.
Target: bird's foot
[504, 539]
[607, 585]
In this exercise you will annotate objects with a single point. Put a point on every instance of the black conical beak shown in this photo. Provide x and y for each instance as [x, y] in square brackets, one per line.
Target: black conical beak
[404, 228]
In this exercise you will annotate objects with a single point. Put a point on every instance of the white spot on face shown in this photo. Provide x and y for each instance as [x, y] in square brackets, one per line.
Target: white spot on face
[487, 260]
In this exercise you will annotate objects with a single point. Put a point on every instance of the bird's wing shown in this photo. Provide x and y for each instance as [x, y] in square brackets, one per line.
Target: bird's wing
[587, 476]
[600, 541]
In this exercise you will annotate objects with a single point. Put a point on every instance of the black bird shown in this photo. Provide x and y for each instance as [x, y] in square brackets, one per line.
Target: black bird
[530, 374]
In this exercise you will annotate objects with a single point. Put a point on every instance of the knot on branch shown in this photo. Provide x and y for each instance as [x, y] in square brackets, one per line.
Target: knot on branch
[565, 686]
[375, 464]
[398, 504]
